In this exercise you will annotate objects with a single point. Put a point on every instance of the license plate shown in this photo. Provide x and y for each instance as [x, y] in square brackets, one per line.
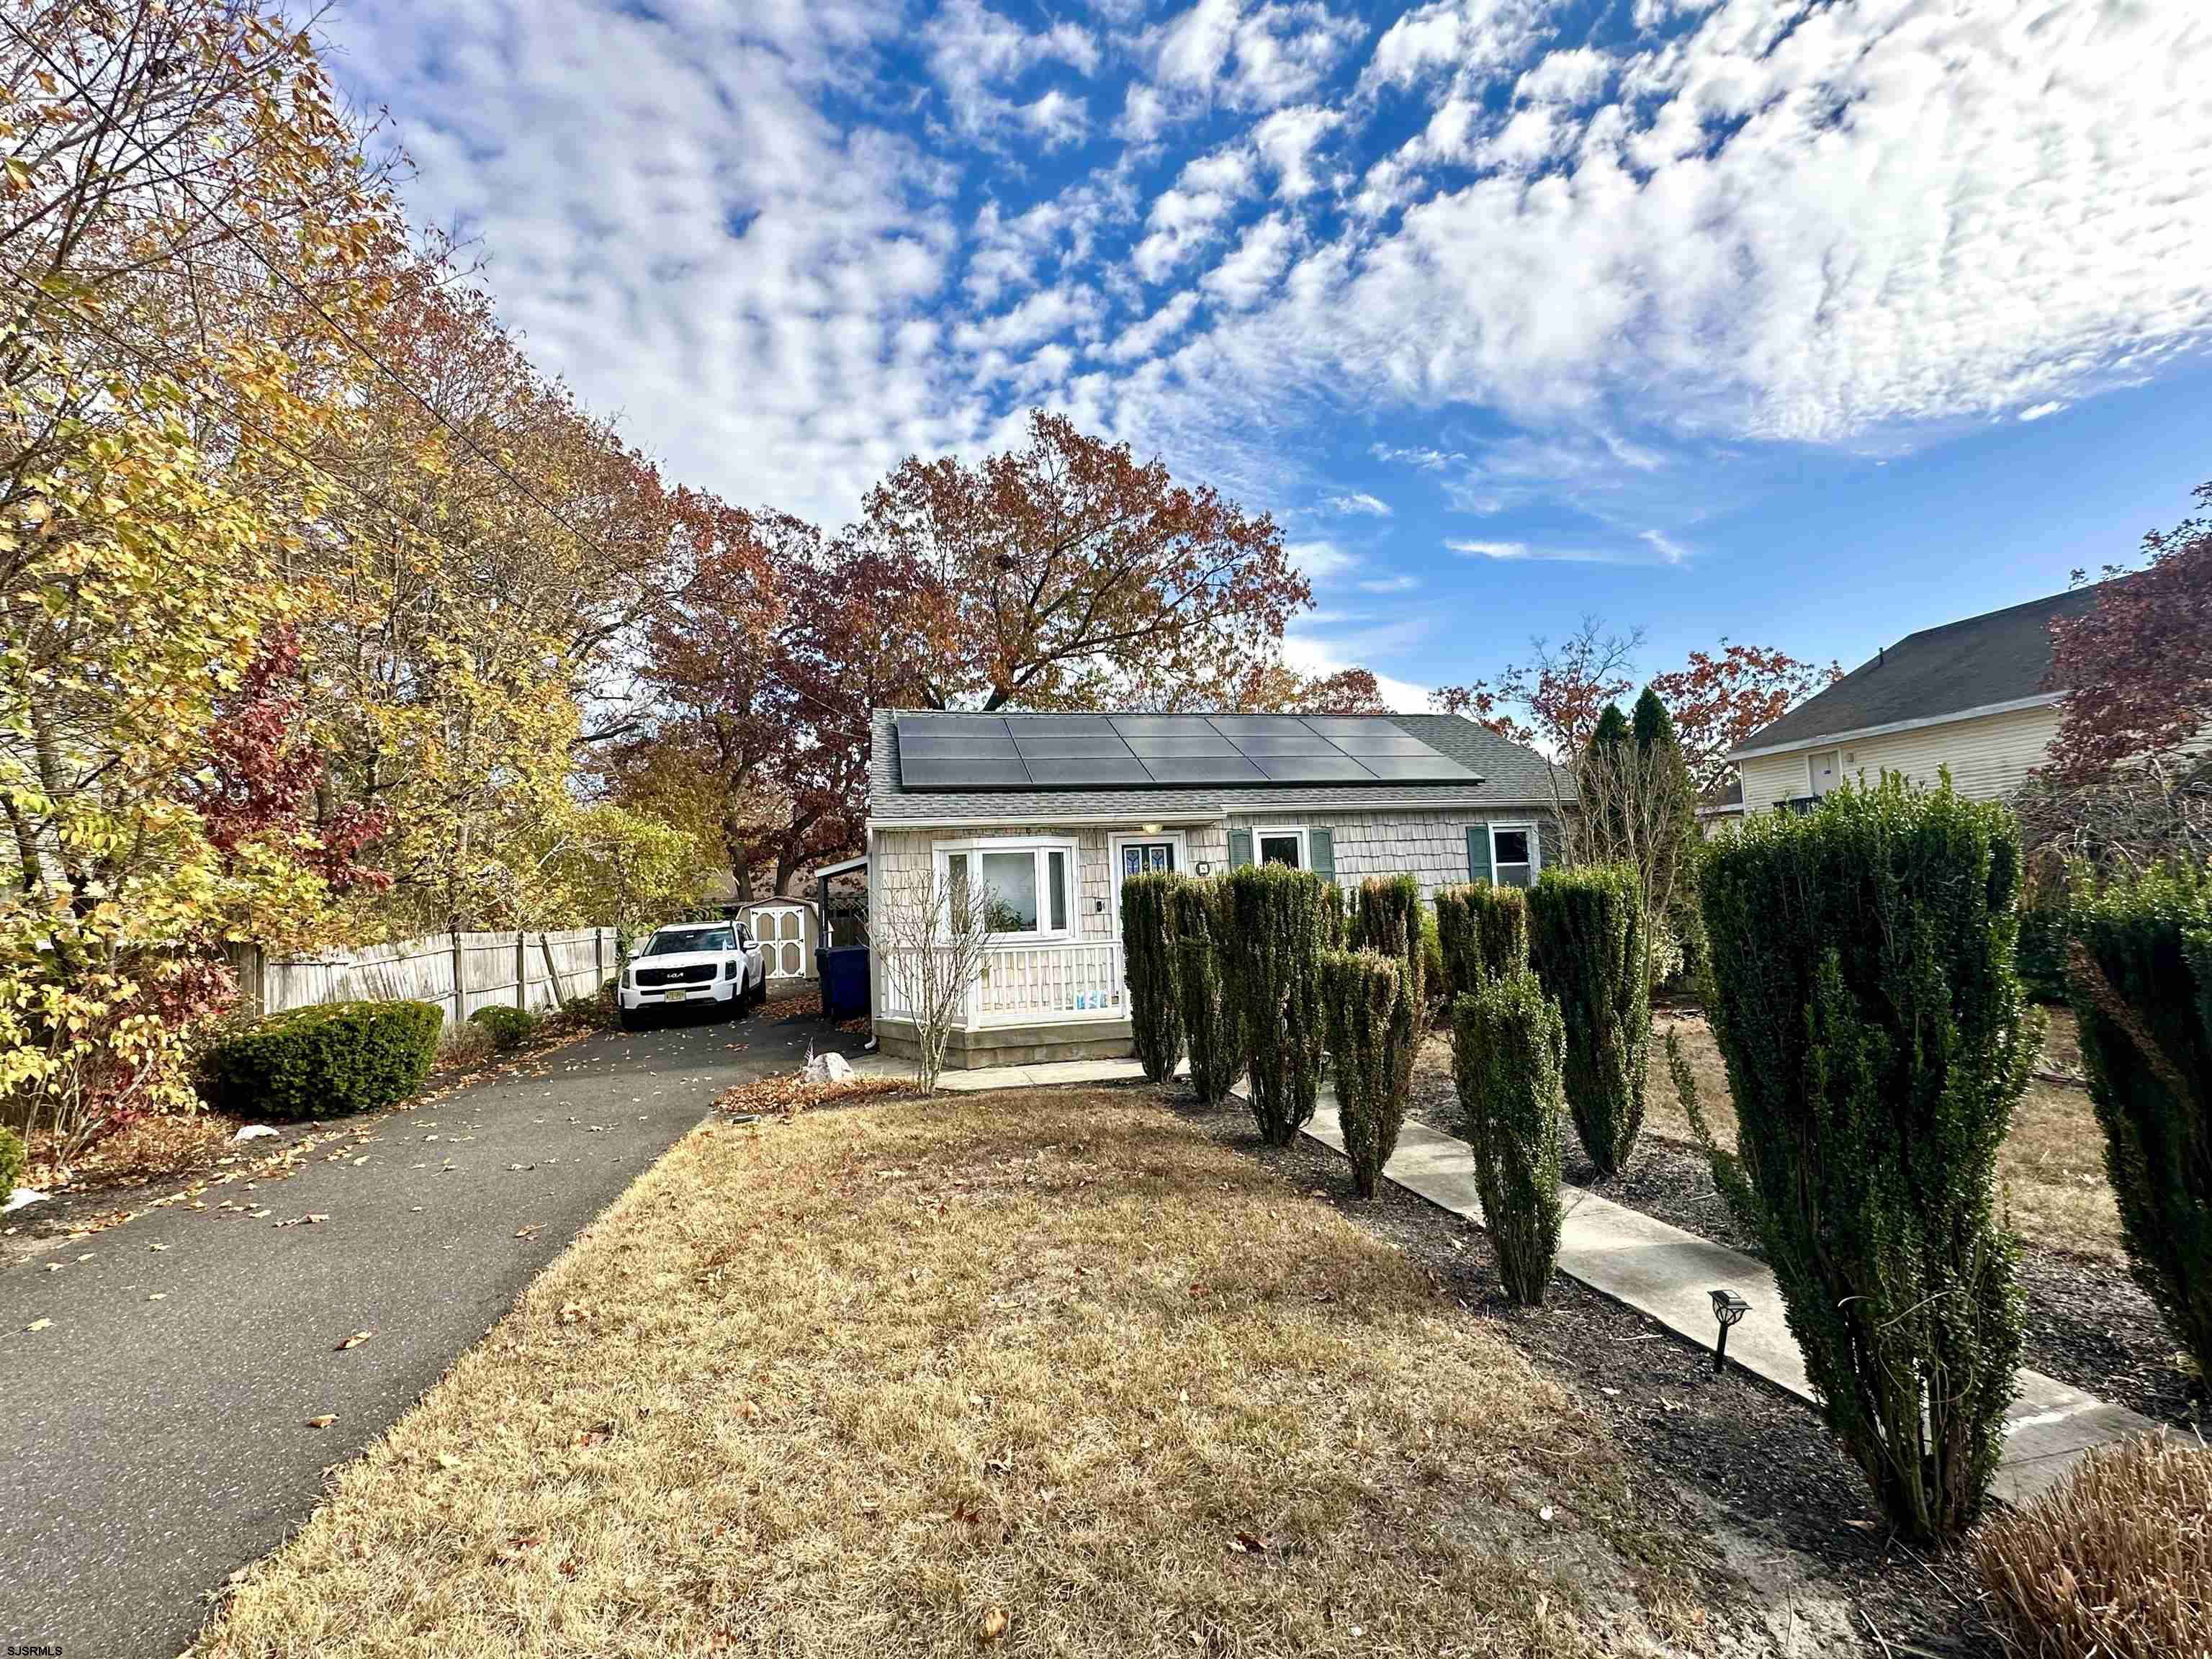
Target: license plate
[678, 996]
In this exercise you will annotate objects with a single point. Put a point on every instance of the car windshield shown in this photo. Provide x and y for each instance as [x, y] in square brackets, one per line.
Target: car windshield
[671, 940]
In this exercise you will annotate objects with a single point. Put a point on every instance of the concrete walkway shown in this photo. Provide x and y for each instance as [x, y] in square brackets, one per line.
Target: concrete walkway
[1665, 1274]
[160, 1380]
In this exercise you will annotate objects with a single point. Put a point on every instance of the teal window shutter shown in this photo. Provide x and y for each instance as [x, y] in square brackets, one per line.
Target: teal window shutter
[1320, 846]
[1478, 852]
[1240, 848]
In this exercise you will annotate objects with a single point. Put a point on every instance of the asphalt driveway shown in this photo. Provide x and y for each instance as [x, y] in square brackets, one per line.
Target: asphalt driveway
[157, 1435]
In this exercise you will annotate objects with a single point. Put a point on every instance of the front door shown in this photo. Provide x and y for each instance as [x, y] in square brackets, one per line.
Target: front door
[1141, 857]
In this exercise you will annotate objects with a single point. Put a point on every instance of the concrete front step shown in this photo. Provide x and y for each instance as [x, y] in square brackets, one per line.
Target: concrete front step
[1667, 1274]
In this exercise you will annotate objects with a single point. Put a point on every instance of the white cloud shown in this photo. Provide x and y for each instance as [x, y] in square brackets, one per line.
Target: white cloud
[1318, 561]
[1398, 584]
[1250, 273]
[1656, 550]
[1360, 502]
[2038, 411]
[1055, 118]
[973, 50]
[1287, 139]
[1427, 459]
[1224, 52]
[1185, 218]
[1141, 339]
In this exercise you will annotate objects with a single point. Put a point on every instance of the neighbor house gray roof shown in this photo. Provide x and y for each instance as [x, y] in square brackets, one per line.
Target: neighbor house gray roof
[1984, 662]
[1511, 776]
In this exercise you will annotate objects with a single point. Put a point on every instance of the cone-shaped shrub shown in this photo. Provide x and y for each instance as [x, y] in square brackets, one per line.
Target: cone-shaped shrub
[1508, 1050]
[1148, 950]
[1371, 1032]
[1280, 922]
[1199, 911]
[1865, 1004]
[2142, 980]
[1587, 930]
[1483, 932]
[1386, 918]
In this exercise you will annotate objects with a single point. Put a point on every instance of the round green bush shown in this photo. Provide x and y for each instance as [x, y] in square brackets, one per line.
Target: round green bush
[12, 1159]
[326, 1062]
[509, 1027]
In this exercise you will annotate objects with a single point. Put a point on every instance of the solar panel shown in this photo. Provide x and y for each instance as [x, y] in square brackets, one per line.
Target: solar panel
[1181, 748]
[1380, 743]
[1417, 769]
[1071, 747]
[1088, 772]
[1061, 726]
[1312, 769]
[962, 774]
[1332, 726]
[1283, 742]
[1173, 772]
[949, 726]
[1164, 725]
[956, 748]
[1162, 751]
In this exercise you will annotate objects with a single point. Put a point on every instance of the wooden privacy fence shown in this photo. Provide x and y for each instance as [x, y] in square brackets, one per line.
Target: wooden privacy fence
[462, 972]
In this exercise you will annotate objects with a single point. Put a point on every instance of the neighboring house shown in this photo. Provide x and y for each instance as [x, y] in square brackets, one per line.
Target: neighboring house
[1048, 813]
[1969, 697]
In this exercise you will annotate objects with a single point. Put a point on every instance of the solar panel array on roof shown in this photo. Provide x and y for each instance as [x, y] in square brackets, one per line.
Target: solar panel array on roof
[962, 752]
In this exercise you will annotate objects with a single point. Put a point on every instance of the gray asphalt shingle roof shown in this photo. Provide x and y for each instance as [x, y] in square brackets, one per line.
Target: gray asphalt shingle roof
[1999, 658]
[1511, 776]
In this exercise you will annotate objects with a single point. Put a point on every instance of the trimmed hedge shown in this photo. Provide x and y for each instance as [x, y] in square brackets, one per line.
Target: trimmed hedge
[1280, 921]
[1876, 1044]
[2143, 990]
[1509, 1049]
[12, 1158]
[1199, 911]
[1372, 1034]
[1587, 928]
[510, 1027]
[1147, 948]
[1482, 932]
[326, 1062]
[2040, 954]
[1385, 917]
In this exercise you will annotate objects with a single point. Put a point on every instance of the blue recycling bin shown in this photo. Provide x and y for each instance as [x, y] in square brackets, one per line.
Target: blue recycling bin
[844, 972]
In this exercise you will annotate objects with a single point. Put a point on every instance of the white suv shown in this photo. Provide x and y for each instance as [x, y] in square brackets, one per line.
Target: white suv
[712, 962]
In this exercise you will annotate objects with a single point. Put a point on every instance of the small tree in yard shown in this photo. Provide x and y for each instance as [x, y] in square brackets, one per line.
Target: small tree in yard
[933, 939]
[1587, 926]
[1386, 918]
[1509, 1048]
[1483, 932]
[1280, 921]
[1867, 1008]
[2141, 971]
[1200, 911]
[1148, 948]
[1372, 1034]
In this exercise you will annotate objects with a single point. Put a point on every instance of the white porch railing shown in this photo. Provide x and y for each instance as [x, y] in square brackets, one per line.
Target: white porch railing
[1028, 985]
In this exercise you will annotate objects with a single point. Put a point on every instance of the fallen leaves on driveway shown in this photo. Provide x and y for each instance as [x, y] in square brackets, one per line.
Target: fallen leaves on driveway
[353, 1341]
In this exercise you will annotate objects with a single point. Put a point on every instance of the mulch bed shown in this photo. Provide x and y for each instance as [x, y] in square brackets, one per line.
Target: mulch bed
[1760, 1455]
[2088, 1322]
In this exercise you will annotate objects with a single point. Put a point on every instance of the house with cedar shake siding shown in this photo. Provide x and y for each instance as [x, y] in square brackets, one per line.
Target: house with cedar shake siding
[1048, 814]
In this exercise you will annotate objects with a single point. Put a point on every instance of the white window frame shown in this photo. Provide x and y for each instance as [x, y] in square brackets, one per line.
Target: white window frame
[1276, 832]
[1039, 845]
[1119, 838]
[1535, 851]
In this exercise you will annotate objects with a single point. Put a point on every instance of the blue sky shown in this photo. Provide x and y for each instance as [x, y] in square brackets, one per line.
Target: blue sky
[1805, 324]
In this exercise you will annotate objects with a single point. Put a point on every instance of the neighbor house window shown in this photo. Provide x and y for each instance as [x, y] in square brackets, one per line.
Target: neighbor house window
[1282, 847]
[1025, 887]
[1513, 854]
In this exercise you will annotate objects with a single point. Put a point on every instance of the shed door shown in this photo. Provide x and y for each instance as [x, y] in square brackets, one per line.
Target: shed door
[782, 931]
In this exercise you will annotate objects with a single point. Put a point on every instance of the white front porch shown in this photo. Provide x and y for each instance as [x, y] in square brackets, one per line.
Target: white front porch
[1053, 982]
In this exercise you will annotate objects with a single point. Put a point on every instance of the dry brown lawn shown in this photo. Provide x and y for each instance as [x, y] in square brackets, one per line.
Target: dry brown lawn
[2052, 1164]
[870, 1381]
